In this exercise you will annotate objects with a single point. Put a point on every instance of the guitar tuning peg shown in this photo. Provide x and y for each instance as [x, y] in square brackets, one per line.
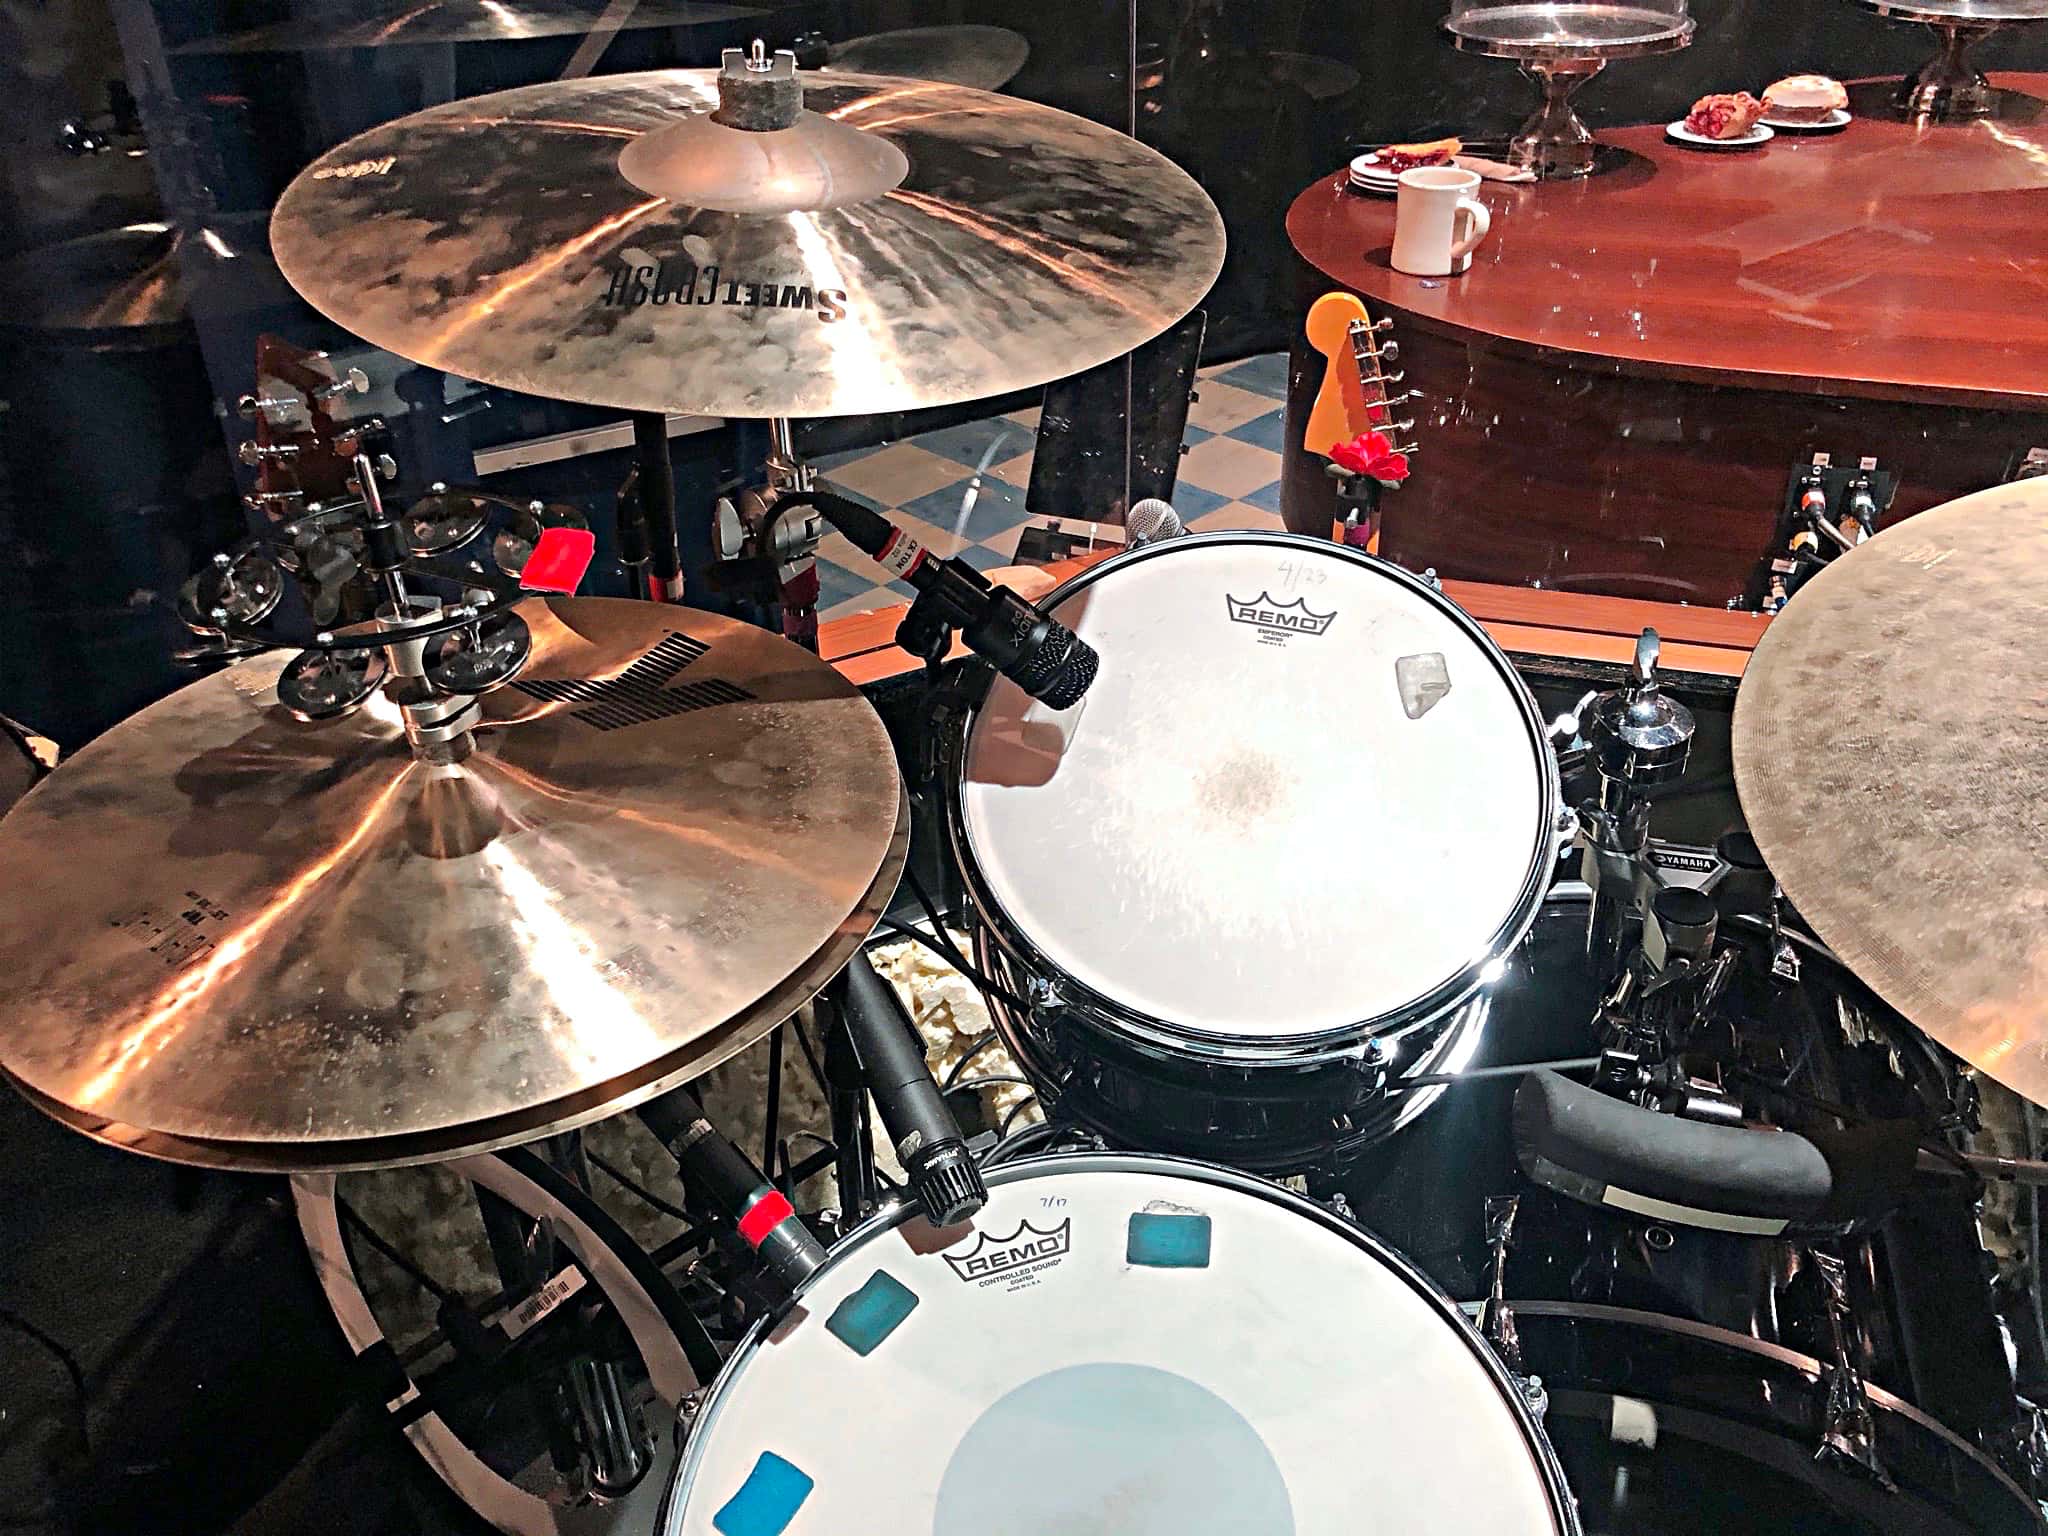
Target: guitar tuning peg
[1405, 425]
[1388, 352]
[354, 382]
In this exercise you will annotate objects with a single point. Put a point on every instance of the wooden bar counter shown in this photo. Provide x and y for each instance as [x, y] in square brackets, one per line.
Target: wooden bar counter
[1614, 395]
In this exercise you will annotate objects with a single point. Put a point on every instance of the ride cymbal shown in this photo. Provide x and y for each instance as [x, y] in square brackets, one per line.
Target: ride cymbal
[1888, 749]
[239, 940]
[904, 243]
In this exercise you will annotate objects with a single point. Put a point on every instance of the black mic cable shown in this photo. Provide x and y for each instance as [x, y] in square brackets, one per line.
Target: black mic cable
[885, 1040]
[1036, 652]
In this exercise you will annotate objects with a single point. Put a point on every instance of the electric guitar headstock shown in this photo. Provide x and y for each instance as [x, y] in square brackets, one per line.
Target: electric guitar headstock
[297, 425]
[1358, 393]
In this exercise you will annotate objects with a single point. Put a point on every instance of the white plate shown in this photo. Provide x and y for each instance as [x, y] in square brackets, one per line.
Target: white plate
[1841, 117]
[1684, 135]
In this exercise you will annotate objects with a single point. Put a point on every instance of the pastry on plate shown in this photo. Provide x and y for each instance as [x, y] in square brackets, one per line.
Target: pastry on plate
[1724, 116]
[1804, 99]
[1406, 157]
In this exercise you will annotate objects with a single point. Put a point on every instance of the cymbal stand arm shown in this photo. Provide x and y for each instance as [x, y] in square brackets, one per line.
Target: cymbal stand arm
[658, 506]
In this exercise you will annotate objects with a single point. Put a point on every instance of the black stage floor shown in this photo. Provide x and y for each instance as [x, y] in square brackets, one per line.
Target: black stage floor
[214, 1380]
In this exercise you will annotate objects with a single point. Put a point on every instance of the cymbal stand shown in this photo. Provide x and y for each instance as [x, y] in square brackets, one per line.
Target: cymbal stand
[1640, 737]
[658, 506]
[770, 551]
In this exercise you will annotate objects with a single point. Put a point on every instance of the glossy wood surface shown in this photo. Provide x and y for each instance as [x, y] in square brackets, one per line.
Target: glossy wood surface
[1570, 626]
[1890, 260]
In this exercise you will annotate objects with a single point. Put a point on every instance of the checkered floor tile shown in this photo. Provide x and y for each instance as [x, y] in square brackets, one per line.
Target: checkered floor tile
[960, 490]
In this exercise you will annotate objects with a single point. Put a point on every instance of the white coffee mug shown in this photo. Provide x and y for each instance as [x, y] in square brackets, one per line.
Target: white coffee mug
[1428, 207]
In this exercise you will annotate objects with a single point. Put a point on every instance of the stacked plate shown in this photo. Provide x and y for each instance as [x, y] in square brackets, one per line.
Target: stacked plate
[1370, 174]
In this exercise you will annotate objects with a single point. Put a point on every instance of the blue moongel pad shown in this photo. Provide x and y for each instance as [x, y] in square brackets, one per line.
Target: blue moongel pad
[767, 1501]
[871, 1313]
[1167, 1240]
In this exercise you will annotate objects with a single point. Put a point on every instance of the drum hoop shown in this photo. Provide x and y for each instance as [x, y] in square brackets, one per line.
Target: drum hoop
[1742, 1343]
[1308, 1047]
[1564, 1511]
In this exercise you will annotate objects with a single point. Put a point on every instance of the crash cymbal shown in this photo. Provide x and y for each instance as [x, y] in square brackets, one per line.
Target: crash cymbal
[905, 244]
[235, 939]
[1888, 749]
[983, 58]
[390, 24]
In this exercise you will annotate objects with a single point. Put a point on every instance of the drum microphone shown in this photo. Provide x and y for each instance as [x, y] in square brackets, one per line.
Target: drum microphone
[942, 1171]
[1036, 652]
[1151, 521]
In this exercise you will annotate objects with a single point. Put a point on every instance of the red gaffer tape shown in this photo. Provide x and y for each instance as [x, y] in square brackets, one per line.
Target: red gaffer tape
[559, 559]
[764, 1216]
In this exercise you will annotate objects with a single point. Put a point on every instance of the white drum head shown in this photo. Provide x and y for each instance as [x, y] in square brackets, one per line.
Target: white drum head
[1121, 1345]
[1300, 795]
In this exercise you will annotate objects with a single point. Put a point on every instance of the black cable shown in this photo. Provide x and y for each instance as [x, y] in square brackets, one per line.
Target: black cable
[418, 1276]
[773, 1112]
[621, 1178]
[1014, 1146]
[37, 1519]
[947, 952]
[982, 1042]
[803, 1040]
[1015, 1110]
[63, 1357]
[991, 1080]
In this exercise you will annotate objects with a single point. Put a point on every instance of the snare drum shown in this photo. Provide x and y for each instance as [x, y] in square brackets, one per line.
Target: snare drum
[1127, 1344]
[1270, 861]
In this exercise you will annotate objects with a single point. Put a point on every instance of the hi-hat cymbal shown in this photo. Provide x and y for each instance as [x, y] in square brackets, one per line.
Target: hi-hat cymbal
[985, 58]
[238, 940]
[958, 245]
[1888, 748]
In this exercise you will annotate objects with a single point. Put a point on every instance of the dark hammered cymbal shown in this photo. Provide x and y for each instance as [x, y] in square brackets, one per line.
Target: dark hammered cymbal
[497, 238]
[985, 58]
[388, 24]
[1889, 752]
[238, 940]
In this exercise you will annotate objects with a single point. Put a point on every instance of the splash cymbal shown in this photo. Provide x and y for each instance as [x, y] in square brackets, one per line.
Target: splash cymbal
[904, 244]
[239, 940]
[1888, 752]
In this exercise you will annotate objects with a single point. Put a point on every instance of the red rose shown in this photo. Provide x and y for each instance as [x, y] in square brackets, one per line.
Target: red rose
[1370, 453]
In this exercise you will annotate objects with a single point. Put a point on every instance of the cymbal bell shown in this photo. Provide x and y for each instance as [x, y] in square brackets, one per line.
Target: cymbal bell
[239, 940]
[1887, 742]
[906, 244]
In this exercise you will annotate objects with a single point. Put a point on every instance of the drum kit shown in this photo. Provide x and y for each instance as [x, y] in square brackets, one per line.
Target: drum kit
[1301, 921]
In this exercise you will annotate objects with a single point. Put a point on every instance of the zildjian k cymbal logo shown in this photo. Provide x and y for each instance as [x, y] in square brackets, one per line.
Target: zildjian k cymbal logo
[680, 281]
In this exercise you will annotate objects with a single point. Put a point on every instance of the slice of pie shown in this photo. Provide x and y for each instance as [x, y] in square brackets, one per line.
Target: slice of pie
[1406, 157]
[1724, 116]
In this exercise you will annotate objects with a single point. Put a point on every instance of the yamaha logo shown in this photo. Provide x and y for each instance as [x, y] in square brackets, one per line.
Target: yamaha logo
[990, 1257]
[1278, 618]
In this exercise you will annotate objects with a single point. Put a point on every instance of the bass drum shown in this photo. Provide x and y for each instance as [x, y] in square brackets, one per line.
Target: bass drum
[1681, 1364]
[1266, 867]
[1143, 1345]
[1682, 1429]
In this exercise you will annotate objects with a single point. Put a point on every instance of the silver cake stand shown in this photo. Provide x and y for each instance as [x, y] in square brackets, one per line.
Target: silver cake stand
[1561, 47]
[1948, 87]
